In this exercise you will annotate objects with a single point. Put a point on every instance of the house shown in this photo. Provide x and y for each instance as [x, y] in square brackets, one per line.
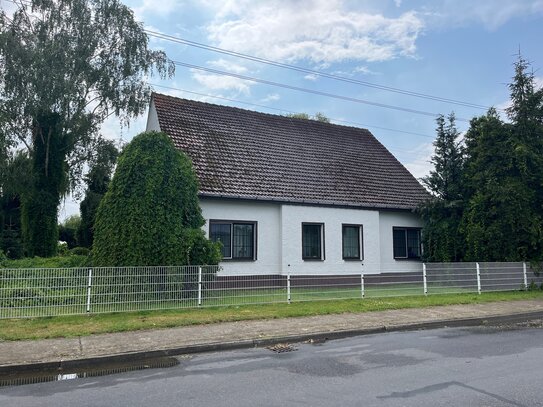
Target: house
[294, 195]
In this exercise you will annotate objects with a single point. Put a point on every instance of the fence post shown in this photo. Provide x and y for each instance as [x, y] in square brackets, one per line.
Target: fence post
[525, 276]
[424, 281]
[199, 285]
[478, 278]
[89, 285]
[288, 287]
[362, 285]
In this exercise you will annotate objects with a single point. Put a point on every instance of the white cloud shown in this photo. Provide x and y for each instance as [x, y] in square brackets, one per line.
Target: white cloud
[223, 82]
[491, 13]
[419, 164]
[321, 31]
[228, 66]
[68, 207]
[364, 70]
[501, 108]
[398, 3]
[8, 7]
[272, 97]
[311, 77]
[159, 43]
[146, 8]
[216, 82]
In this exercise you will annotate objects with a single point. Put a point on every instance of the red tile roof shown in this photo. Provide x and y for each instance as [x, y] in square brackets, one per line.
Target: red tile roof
[244, 154]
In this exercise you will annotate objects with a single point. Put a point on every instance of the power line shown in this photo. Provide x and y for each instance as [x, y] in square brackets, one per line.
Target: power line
[312, 91]
[289, 111]
[312, 71]
[301, 69]
[399, 150]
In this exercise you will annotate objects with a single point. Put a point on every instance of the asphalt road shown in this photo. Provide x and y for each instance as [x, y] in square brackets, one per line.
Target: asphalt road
[489, 366]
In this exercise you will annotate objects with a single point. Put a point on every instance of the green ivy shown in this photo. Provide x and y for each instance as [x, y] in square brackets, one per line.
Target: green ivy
[150, 208]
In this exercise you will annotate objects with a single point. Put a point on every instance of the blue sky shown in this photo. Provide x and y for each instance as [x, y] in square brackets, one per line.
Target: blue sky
[457, 49]
[453, 49]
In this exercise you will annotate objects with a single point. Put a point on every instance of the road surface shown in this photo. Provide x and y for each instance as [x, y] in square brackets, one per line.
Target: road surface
[484, 366]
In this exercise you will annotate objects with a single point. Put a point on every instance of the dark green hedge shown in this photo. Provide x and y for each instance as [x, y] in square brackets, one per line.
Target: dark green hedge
[151, 206]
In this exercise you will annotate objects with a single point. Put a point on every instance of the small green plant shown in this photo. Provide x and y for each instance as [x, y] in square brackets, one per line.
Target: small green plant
[533, 286]
[80, 251]
[62, 249]
[49, 262]
[3, 258]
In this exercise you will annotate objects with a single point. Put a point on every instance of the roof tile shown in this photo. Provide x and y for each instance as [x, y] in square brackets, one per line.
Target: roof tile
[246, 154]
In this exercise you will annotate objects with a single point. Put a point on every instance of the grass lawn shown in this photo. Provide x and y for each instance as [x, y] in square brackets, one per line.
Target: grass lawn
[63, 302]
[81, 325]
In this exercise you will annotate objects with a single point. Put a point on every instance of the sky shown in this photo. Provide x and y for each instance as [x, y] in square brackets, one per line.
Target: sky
[459, 50]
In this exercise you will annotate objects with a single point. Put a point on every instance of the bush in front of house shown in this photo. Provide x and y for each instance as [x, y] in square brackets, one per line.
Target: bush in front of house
[151, 205]
[68, 261]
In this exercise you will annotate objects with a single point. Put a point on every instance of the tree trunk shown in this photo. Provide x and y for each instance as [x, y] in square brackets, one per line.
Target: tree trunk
[40, 203]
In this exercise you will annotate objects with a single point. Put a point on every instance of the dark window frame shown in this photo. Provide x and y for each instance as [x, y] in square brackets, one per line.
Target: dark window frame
[360, 241]
[322, 256]
[405, 229]
[232, 223]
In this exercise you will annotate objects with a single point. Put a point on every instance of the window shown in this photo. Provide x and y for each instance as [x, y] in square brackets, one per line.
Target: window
[238, 238]
[312, 241]
[406, 243]
[352, 242]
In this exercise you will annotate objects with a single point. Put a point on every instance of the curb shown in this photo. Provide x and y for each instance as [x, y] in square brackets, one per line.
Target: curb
[94, 362]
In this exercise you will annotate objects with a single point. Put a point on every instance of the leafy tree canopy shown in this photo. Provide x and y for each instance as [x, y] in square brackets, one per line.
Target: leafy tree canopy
[65, 66]
[320, 117]
[83, 60]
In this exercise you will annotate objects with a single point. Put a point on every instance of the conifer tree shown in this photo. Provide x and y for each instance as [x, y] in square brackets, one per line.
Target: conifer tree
[504, 167]
[442, 213]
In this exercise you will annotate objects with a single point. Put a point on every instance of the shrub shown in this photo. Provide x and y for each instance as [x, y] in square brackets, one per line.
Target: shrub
[49, 262]
[3, 258]
[151, 201]
[67, 231]
[62, 249]
[80, 251]
[202, 251]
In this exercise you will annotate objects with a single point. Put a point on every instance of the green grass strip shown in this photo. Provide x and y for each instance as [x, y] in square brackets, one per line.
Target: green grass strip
[83, 325]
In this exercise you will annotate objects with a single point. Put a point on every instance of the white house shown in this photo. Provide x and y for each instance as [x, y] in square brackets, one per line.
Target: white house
[285, 194]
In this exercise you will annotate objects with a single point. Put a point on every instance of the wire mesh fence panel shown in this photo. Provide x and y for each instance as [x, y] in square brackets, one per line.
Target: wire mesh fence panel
[42, 292]
[500, 276]
[142, 288]
[245, 289]
[534, 276]
[451, 278]
[66, 291]
[324, 287]
[393, 284]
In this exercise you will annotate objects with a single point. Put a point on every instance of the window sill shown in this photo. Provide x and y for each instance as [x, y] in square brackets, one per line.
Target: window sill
[238, 260]
[309, 259]
[408, 259]
[352, 259]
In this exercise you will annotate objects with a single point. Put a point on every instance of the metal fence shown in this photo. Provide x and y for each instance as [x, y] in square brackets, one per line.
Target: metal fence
[68, 291]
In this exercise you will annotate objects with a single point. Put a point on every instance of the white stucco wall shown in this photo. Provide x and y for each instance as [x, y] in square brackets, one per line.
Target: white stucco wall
[387, 220]
[152, 118]
[279, 237]
[267, 216]
[333, 218]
